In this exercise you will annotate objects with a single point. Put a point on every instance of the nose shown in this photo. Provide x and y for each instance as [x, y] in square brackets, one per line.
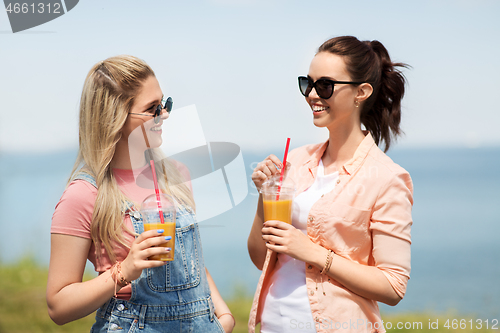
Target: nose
[164, 114]
[313, 93]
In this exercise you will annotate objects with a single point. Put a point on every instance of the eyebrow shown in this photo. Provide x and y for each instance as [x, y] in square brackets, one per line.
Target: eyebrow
[153, 103]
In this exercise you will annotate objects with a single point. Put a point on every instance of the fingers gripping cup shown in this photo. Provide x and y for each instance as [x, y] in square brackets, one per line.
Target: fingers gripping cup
[151, 219]
[278, 200]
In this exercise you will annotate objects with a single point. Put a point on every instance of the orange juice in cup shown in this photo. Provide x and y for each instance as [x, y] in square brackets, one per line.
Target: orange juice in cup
[169, 230]
[280, 210]
[150, 211]
[278, 199]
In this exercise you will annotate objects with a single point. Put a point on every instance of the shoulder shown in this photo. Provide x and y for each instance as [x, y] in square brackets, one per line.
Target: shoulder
[80, 189]
[73, 213]
[385, 170]
[79, 195]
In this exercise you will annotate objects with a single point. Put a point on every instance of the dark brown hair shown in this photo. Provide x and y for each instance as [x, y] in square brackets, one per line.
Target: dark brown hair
[369, 61]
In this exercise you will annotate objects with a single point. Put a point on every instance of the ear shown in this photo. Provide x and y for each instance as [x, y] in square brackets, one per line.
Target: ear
[365, 90]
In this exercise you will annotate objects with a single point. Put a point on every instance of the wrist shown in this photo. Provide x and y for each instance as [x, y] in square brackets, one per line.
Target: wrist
[320, 257]
[328, 262]
[118, 276]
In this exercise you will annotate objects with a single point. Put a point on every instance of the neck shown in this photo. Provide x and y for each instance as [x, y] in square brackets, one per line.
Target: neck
[126, 158]
[342, 144]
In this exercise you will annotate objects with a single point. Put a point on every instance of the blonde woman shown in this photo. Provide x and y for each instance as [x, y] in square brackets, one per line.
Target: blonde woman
[97, 218]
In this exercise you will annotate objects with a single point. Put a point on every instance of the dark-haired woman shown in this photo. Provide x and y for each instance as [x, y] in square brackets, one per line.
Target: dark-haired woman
[348, 246]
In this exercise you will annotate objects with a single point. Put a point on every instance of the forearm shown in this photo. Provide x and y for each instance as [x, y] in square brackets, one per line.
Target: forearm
[227, 321]
[220, 306]
[68, 298]
[256, 245]
[366, 281]
[80, 299]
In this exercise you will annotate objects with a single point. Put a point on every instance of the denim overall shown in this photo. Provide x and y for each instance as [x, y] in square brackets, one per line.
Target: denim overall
[171, 298]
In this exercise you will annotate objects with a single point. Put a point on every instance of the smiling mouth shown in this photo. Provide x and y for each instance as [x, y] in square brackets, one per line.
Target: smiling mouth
[317, 108]
[156, 128]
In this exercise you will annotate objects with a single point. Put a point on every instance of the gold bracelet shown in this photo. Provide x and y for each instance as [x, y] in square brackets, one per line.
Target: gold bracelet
[328, 262]
[228, 313]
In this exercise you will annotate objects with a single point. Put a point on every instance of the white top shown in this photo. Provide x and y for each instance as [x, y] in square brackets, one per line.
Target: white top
[286, 307]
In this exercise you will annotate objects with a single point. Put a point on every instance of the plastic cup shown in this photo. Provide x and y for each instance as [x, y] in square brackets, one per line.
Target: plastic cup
[151, 220]
[278, 200]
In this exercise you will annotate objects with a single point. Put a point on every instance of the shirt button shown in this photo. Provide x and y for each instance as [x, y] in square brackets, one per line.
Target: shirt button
[311, 219]
[317, 319]
[338, 181]
[311, 293]
[310, 267]
[120, 307]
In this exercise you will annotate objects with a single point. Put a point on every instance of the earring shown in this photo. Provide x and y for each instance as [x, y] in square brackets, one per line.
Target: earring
[356, 103]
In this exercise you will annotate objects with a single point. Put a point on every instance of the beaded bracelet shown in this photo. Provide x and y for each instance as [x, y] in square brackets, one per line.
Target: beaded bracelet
[122, 282]
[117, 276]
[228, 313]
[328, 262]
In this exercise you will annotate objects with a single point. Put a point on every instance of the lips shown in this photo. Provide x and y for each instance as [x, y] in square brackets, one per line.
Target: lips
[318, 108]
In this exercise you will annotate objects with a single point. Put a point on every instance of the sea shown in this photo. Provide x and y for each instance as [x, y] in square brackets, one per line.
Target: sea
[455, 233]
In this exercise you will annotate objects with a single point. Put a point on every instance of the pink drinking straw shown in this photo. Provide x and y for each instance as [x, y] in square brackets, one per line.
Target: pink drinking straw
[283, 169]
[155, 181]
[157, 191]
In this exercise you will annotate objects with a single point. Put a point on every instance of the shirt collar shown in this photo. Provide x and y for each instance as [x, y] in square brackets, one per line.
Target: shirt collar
[350, 166]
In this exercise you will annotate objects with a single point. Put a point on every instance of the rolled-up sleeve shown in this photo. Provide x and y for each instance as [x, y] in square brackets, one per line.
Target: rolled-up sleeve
[391, 231]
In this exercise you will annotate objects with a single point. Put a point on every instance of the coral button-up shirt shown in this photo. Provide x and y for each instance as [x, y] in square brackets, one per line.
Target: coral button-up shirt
[365, 219]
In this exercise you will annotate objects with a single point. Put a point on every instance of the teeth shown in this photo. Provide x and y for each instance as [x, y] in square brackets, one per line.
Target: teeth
[157, 128]
[317, 108]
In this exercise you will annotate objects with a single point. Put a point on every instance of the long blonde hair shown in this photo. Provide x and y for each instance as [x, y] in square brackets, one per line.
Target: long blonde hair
[108, 95]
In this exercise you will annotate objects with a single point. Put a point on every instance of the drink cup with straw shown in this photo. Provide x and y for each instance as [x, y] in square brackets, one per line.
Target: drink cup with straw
[277, 194]
[158, 212]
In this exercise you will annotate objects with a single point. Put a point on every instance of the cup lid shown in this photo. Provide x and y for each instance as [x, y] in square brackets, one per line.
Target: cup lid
[272, 184]
[150, 203]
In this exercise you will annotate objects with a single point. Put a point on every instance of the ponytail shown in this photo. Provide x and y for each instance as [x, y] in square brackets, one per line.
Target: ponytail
[369, 62]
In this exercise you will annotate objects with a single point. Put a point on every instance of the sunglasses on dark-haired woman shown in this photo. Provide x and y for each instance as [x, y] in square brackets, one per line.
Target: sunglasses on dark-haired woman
[324, 87]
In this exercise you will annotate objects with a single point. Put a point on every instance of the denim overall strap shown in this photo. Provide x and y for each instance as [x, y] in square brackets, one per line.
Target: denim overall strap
[87, 177]
[127, 206]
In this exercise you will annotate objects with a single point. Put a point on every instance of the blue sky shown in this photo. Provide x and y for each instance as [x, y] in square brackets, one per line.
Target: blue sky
[237, 61]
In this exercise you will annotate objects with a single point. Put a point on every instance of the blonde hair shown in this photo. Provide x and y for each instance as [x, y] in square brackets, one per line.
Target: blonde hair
[108, 95]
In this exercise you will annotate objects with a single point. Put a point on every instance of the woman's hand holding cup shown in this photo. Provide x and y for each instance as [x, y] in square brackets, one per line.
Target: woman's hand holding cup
[143, 247]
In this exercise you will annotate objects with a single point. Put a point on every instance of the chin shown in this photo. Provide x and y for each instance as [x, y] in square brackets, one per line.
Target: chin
[155, 143]
[319, 123]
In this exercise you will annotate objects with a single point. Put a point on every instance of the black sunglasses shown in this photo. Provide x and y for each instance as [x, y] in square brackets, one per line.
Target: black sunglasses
[165, 104]
[324, 87]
